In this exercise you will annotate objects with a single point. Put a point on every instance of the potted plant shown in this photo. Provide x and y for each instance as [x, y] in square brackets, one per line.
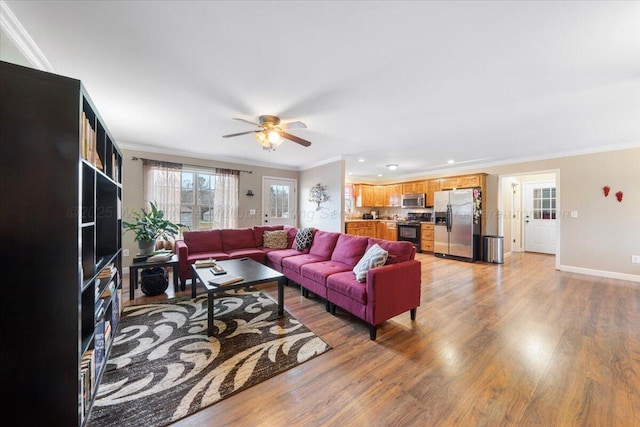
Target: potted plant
[150, 226]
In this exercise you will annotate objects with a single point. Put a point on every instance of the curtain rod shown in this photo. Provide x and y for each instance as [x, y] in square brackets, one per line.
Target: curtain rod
[194, 166]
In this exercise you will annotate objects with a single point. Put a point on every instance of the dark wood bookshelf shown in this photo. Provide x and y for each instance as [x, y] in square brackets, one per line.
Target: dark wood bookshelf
[61, 227]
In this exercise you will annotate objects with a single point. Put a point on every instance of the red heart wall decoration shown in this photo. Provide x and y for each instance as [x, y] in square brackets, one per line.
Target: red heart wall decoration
[619, 196]
[606, 190]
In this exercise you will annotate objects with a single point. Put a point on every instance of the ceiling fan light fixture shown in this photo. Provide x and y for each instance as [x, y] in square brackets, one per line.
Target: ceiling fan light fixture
[274, 137]
[392, 166]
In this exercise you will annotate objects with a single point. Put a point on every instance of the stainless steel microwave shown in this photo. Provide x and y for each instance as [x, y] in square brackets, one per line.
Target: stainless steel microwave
[418, 200]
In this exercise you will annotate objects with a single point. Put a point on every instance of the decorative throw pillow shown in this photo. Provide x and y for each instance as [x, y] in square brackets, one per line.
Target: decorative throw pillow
[374, 257]
[275, 239]
[304, 236]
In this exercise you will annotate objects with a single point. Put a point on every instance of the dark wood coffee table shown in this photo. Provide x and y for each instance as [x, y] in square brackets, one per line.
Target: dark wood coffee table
[250, 270]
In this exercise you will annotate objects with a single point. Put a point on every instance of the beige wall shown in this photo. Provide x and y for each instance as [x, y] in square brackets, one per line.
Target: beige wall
[606, 233]
[133, 188]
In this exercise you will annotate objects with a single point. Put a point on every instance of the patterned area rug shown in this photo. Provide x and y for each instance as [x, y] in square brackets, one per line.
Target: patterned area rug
[163, 366]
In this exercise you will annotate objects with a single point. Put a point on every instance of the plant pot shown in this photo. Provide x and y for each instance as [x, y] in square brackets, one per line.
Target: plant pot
[146, 247]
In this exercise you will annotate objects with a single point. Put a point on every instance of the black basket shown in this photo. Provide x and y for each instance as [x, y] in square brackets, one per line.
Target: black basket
[154, 281]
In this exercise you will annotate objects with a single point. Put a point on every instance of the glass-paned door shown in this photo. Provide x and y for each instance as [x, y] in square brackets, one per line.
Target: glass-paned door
[278, 201]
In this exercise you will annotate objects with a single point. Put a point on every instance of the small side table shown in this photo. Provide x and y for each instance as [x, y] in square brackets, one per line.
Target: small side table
[133, 272]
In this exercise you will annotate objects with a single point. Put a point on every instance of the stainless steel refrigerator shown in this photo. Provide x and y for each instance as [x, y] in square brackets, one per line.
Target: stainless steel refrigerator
[457, 223]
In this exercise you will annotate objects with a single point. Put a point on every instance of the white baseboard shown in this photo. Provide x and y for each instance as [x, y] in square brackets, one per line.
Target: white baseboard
[601, 273]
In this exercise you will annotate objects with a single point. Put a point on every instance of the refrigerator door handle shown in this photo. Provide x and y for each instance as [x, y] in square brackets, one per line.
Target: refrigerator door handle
[449, 217]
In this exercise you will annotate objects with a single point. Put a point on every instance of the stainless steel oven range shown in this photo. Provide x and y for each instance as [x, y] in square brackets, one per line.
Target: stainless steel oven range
[409, 229]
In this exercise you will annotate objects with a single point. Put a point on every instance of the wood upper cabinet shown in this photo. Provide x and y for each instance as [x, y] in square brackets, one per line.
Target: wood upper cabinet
[414, 187]
[469, 181]
[363, 195]
[379, 196]
[449, 183]
[393, 195]
[432, 186]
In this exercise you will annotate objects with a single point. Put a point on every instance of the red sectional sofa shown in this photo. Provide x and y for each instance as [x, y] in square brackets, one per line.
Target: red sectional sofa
[325, 268]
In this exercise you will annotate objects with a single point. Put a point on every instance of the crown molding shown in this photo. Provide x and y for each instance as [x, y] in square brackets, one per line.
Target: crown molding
[22, 40]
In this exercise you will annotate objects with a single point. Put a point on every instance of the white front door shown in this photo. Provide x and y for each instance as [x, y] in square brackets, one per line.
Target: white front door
[539, 217]
[278, 201]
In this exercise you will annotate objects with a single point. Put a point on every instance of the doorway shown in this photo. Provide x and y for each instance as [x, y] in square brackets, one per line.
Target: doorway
[516, 202]
[279, 201]
[539, 217]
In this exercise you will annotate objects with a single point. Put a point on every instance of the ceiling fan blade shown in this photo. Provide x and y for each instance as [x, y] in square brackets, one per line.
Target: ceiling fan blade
[295, 139]
[246, 121]
[293, 125]
[239, 133]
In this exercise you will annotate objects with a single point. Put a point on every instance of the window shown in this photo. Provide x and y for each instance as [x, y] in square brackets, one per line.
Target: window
[199, 198]
[209, 200]
[279, 202]
[544, 203]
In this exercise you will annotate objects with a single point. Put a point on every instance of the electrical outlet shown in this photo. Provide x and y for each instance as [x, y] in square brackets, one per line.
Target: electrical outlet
[635, 259]
[125, 252]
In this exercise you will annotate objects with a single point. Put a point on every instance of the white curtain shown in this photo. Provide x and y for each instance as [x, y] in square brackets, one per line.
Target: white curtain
[225, 200]
[162, 186]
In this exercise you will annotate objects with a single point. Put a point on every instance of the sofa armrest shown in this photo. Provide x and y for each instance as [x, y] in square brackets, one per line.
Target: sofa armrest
[182, 250]
[392, 289]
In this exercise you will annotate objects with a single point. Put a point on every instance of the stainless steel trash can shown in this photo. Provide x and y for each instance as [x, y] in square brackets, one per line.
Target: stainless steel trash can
[493, 249]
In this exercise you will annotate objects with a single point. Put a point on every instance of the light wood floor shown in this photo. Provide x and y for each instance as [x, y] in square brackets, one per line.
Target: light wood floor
[517, 344]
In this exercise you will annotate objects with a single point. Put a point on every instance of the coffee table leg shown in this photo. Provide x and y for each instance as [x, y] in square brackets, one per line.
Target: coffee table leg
[175, 277]
[194, 278]
[281, 296]
[133, 275]
[209, 314]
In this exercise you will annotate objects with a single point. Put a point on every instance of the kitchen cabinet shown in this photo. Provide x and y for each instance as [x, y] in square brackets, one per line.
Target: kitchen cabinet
[361, 228]
[387, 230]
[363, 195]
[426, 237]
[379, 196]
[449, 183]
[413, 187]
[469, 181]
[393, 195]
[432, 186]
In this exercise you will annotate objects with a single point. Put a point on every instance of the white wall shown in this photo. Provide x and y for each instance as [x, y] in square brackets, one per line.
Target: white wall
[330, 216]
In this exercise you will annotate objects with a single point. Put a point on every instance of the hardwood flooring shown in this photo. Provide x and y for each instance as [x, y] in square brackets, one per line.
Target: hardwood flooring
[516, 344]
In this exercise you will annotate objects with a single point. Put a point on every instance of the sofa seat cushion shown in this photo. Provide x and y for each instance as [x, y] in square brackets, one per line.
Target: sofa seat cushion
[258, 232]
[253, 253]
[295, 263]
[398, 251]
[277, 255]
[324, 242]
[349, 249]
[237, 238]
[203, 241]
[218, 256]
[346, 284]
[319, 271]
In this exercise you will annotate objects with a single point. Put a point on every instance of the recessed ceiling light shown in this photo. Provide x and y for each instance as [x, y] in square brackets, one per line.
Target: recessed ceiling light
[350, 173]
[379, 174]
[451, 161]
[392, 166]
[361, 160]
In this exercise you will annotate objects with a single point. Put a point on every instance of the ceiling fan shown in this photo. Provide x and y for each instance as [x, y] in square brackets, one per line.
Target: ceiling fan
[271, 131]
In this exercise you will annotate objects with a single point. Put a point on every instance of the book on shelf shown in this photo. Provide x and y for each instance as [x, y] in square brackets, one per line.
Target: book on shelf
[225, 279]
[107, 272]
[99, 345]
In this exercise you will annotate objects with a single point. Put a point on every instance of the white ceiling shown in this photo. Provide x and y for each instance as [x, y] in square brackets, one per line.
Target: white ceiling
[413, 83]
